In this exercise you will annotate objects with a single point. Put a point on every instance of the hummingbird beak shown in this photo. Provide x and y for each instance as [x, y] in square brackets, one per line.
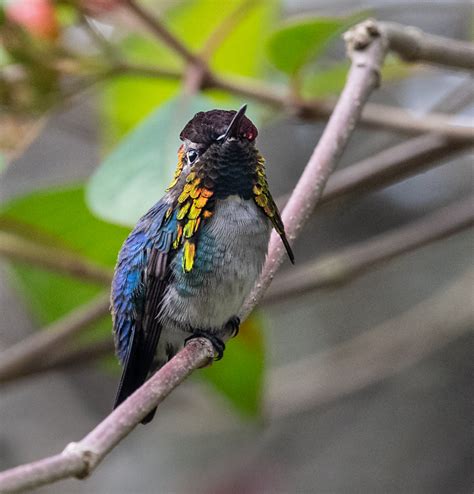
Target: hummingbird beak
[234, 126]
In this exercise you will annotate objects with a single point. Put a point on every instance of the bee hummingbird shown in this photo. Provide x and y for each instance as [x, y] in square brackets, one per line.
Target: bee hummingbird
[193, 258]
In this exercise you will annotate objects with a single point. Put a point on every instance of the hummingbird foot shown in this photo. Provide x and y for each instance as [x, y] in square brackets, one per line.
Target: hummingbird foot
[217, 343]
[233, 326]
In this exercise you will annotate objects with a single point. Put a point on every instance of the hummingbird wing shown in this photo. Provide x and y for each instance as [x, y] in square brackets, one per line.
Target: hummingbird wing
[140, 279]
[263, 198]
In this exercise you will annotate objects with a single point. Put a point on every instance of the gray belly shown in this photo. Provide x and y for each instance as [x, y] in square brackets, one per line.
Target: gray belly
[230, 254]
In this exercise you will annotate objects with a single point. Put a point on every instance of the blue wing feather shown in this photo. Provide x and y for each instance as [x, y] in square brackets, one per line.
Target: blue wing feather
[137, 289]
[128, 285]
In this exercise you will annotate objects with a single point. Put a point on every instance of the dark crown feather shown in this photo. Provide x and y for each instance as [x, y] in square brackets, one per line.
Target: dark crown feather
[206, 127]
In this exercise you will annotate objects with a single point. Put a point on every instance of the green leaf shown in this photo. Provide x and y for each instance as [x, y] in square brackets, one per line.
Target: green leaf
[136, 174]
[60, 218]
[239, 375]
[300, 41]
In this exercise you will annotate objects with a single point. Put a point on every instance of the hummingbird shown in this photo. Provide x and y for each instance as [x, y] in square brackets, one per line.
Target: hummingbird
[190, 262]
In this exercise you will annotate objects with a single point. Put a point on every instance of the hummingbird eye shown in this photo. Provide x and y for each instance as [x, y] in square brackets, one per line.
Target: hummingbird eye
[192, 156]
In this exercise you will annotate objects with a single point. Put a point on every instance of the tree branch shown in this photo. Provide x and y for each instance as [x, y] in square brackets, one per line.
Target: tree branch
[401, 160]
[373, 355]
[387, 167]
[391, 165]
[363, 78]
[414, 45]
[19, 359]
[17, 248]
[81, 458]
[352, 261]
[65, 358]
[375, 115]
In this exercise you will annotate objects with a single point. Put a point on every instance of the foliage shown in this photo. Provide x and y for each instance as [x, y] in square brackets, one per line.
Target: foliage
[298, 42]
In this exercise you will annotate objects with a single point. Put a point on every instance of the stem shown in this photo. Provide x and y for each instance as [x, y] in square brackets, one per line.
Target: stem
[124, 68]
[19, 359]
[19, 249]
[414, 45]
[373, 355]
[387, 167]
[391, 165]
[81, 458]
[363, 78]
[163, 34]
[343, 266]
[72, 357]
[225, 28]
[374, 114]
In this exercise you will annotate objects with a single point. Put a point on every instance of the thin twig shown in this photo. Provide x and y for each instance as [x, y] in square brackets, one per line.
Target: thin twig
[388, 166]
[343, 266]
[163, 34]
[152, 71]
[375, 115]
[225, 28]
[401, 160]
[71, 356]
[373, 355]
[17, 248]
[21, 358]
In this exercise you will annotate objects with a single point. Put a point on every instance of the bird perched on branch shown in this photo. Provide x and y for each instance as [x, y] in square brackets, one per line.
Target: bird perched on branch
[193, 258]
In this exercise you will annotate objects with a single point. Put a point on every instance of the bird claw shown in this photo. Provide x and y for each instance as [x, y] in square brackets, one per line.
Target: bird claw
[233, 325]
[217, 343]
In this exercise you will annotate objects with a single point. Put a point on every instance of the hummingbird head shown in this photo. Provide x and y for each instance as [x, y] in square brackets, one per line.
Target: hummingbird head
[219, 146]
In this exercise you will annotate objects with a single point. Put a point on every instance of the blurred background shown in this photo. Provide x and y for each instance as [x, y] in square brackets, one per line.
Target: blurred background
[356, 373]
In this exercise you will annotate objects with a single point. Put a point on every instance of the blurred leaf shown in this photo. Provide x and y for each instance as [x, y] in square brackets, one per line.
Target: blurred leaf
[239, 375]
[331, 81]
[138, 171]
[128, 99]
[243, 52]
[60, 218]
[5, 58]
[66, 14]
[299, 41]
[326, 82]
